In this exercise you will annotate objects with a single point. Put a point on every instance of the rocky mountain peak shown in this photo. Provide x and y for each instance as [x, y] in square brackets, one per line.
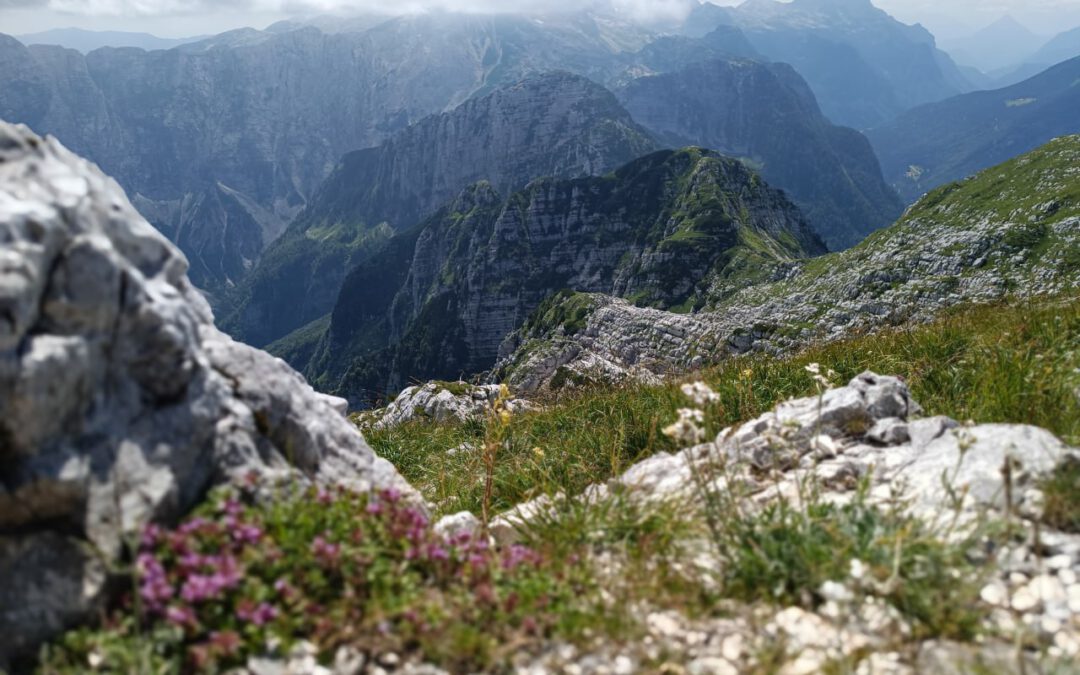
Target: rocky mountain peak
[553, 124]
[663, 230]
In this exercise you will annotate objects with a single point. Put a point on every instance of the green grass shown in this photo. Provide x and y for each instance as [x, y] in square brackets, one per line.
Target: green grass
[1061, 508]
[1015, 363]
[783, 556]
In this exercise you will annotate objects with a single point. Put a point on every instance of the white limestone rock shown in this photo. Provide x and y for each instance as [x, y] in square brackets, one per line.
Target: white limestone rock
[441, 402]
[120, 403]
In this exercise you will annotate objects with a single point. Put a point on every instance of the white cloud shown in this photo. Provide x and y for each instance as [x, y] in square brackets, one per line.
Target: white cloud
[645, 9]
[176, 17]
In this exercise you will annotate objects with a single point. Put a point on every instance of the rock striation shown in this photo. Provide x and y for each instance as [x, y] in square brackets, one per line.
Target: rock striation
[1012, 230]
[120, 402]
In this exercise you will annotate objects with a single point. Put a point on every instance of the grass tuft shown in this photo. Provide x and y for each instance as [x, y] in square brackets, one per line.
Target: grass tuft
[1061, 492]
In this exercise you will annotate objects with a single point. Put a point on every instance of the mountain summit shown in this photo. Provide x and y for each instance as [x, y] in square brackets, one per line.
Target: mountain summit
[667, 230]
[554, 124]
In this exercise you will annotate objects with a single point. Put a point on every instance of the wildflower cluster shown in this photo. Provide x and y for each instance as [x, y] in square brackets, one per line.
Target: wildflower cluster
[337, 569]
[689, 429]
[824, 380]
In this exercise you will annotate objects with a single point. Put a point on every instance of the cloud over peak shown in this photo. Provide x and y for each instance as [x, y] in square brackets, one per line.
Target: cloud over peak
[643, 9]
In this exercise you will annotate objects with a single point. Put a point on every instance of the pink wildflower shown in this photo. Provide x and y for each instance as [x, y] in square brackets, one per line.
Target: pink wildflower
[520, 555]
[325, 551]
[260, 614]
[155, 589]
[181, 616]
[391, 495]
[247, 534]
[151, 536]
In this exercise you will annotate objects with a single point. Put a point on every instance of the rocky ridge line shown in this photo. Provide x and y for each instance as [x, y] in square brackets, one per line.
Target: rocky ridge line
[1011, 231]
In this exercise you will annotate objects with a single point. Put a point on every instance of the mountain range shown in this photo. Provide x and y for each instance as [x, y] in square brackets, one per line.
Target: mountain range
[562, 125]
[1004, 44]
[223, 141]
[240, 129]
[291, 164]
[937, 143]
[550, 125]
[86, 41]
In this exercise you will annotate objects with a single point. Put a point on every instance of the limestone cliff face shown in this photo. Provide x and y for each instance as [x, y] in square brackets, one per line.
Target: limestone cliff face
[766, 113]
[555, 124]
[549, 125]
[667, 231]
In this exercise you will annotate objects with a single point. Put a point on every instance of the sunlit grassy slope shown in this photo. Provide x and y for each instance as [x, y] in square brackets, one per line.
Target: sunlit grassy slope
[1017, 362]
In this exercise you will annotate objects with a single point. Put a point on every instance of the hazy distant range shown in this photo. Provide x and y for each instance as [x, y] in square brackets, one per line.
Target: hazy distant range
[87, 41]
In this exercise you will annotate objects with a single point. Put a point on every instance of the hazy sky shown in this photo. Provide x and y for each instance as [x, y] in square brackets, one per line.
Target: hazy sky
[175, 18]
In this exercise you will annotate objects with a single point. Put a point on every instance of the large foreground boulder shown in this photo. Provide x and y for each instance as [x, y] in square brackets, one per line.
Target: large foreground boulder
[120, 402]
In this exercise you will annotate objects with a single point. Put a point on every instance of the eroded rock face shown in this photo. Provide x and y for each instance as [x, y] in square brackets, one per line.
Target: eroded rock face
[120, 402]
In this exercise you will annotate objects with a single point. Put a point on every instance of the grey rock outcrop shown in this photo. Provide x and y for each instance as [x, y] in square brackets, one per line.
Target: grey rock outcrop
[440, 402]
[120, 402]
[829, 448]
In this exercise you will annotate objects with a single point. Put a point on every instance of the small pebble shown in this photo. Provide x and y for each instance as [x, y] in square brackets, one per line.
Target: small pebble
[1018, 579]
[1047, 588]
[994, 594]
[1059, 562]
[1024, 600]
[1074, 598]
